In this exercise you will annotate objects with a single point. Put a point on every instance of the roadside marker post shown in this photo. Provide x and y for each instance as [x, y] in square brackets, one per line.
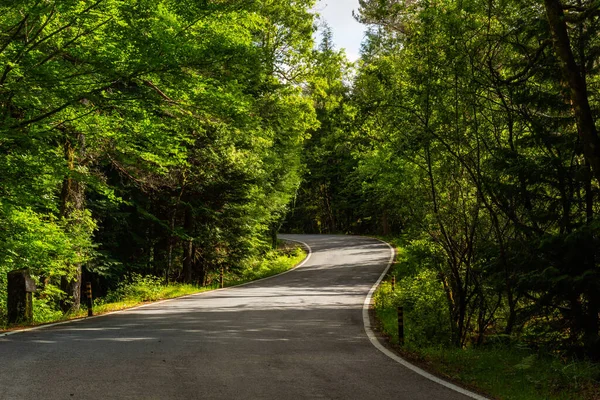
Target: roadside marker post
[393, 283]
[221, 279]
[90, 303]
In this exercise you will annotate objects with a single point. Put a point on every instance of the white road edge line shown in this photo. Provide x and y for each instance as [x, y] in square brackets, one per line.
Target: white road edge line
[375, 342]
[72, 321]
[373, 338]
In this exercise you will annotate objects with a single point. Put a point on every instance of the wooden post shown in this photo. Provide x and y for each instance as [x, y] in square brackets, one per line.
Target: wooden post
[221, 279]
[90, 303]
[401, 326]
[20, 296]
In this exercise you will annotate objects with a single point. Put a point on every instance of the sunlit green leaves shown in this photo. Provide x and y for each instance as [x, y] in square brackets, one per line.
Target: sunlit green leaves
[157, 111]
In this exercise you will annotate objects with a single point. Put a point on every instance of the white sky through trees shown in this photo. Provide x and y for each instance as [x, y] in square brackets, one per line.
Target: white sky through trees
[347, 32]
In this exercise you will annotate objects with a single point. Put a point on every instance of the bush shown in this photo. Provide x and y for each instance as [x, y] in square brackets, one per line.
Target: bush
[274, 262]
[419, 291]
[426, 315]
[139, 288]
[49, 246]
[427, 318]
[45, 311]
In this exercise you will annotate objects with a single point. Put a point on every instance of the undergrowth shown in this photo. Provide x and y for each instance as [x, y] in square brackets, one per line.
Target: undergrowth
[504, 369]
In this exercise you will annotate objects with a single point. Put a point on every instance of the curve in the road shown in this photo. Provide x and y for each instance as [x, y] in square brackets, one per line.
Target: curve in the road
[50, 325]
[296, 336]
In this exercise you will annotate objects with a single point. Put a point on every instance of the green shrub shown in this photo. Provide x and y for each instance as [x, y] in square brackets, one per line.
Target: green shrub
[425, 309]
[45, 311]
[274, 262]
[506, 367]
[426, 315]
[49, 246]
[419, 291]
[138, 287]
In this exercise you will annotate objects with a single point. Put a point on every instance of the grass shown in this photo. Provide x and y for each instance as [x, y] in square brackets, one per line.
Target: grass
[143, 290]
[516, 374]
[502, 371]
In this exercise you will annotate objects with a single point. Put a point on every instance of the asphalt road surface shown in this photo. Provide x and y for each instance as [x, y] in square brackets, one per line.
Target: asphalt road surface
[296, 336]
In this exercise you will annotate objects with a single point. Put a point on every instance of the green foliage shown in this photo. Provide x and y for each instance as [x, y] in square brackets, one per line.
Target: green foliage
[44, 311]
[462, 133]
[420, 293]
[425, 304]
[48, 246]
[501, 368]
[509, 373]
[328, 197]
[158, 138]
[272, 263]
[137, 288]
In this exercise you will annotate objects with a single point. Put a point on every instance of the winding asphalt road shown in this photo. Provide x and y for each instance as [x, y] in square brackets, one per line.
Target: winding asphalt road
[296, 336]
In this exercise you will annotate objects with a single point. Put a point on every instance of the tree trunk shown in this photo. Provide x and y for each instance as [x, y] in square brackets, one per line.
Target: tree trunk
[575, 78]
[591, 325]
[592, 321]
[188, 245]
[72, 203]
[576, 82]
[199, 271]
[385, 224]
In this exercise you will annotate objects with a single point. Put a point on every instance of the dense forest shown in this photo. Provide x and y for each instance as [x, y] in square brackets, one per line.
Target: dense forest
[146, 137]
[174, 138]
[468, 129]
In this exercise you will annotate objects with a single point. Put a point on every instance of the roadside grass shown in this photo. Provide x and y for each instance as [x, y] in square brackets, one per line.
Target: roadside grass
[141, 290]
[502, 371]
[517, 374]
